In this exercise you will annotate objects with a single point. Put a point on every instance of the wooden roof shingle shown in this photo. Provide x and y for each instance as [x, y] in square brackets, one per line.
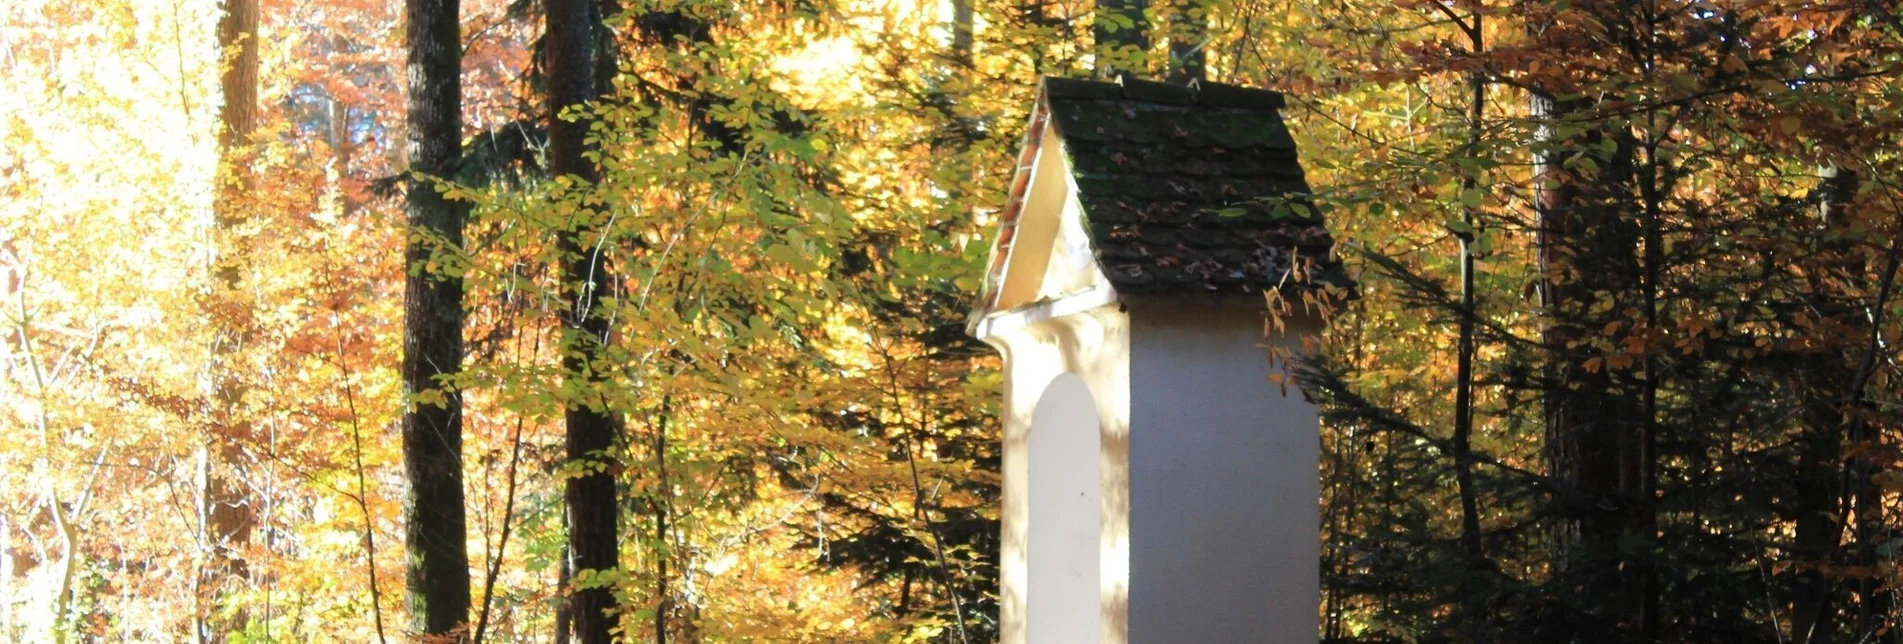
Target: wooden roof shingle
[1186, 189]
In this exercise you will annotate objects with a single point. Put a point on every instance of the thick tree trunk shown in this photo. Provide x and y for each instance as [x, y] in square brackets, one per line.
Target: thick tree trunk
[1820, 499]
[228, 519]
[1594, 427]
[1189, 31]
[1823, 387]
[963, 32]
[1122, 38]
[593, 512]
[238, 39]
[436, 522]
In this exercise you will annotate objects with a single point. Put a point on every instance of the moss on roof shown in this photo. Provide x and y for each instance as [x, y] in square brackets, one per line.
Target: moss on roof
[1190, 189]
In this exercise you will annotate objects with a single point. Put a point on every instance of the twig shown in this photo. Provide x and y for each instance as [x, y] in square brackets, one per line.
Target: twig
[508, 517]
[919, 498]
[369, 524]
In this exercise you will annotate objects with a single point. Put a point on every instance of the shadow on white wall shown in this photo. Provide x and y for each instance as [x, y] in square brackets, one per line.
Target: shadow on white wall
[1066, 515]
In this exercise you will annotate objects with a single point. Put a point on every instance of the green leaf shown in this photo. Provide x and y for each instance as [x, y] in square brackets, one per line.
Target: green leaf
[785, 254]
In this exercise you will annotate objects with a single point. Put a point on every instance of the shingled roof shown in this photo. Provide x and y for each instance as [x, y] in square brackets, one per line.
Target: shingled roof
[1183, 189]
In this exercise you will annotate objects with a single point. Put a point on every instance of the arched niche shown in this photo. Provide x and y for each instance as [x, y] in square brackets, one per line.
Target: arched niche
[1066, 510]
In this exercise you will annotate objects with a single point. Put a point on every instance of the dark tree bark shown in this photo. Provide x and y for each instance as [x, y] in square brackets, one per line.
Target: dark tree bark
[1189, 29]
[1824, 384]
[228, 519]
[1122, 37]
[1470, 541]
[962, 32]
[238, 38]
[572, 41]
[1595, 440]
[436, 523]
[1878, 598]
[680, 29]
[563, 619]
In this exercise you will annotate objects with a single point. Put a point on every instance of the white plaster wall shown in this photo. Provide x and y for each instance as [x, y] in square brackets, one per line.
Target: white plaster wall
[1224, 506]
[1209, 522]
[1072, 265]
[1093, 345]
[1066, 499]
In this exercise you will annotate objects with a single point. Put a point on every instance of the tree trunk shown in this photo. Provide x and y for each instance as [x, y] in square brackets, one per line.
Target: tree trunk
[1594, 430]
[563, 617]
[1820, 484]
[593, 513]
[227, 511]
[436, 522]
[1470, 542]
[238, 39]
[963, 29]
[1122, 38]
[1877, 596]
[1189, 31]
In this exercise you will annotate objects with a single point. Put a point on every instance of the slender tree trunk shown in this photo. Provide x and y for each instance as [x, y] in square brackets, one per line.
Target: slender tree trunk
[564, 615]
[1819, 494]
[227, 508]
[436, 521]
[663, 504]
[1463, 371]
[1877, 598]
[1472, 619]
[593, 511]
[63, 622]
[1640, 461]
[342, 150]
[363, 494]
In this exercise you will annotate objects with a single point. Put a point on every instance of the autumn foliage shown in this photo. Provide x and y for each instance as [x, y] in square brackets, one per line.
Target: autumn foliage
[1622, 364]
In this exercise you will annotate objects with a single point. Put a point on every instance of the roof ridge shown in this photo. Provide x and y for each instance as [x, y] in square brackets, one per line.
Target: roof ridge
[1181, 189]
[1197, 93]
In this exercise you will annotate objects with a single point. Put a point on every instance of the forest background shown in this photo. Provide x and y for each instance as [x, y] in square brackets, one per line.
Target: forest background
[1622, 365]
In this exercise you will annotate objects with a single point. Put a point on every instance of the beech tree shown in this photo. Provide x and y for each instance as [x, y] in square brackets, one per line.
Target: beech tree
[228, 511]
[1622, 366]
[1618, 233]
[1122, 39]
[592, 504]
[435, 520]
